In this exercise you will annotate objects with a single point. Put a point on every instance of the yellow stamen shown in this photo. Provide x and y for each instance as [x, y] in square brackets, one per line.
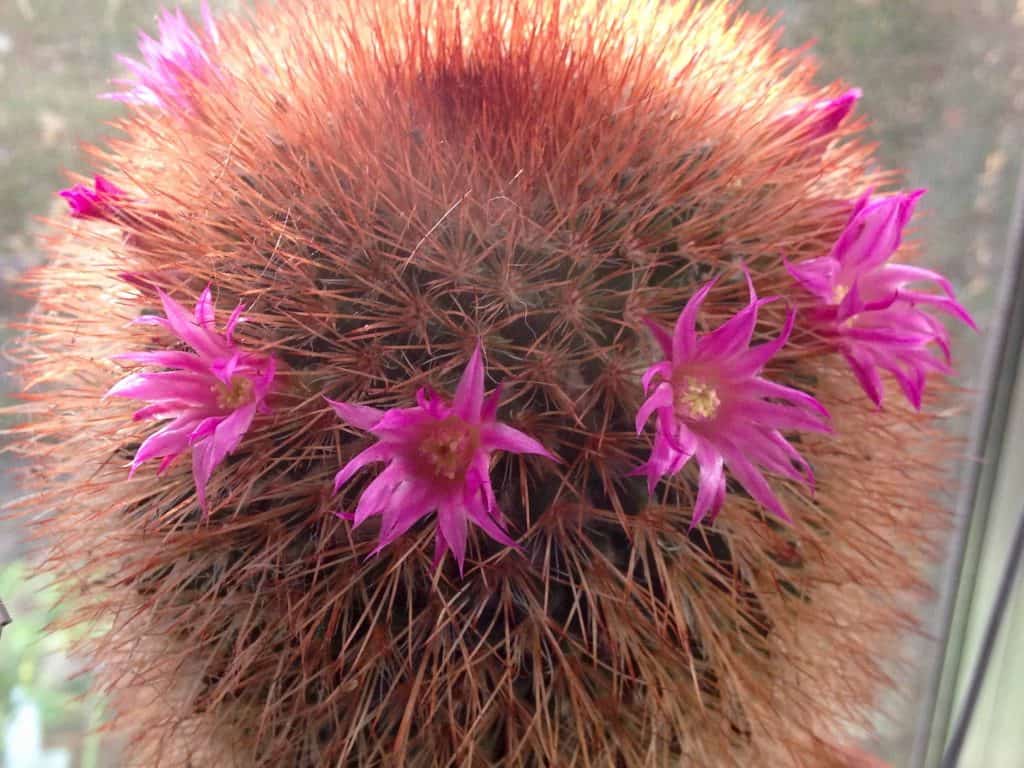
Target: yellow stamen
[448, 449]
[239, 392]
[839, 293]
[697, 399]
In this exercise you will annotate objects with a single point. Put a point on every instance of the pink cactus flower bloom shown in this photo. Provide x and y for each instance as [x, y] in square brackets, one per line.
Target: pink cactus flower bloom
[821, 118]
[179, 55]
[868, 310]
[711, 403]
[95, 203]
[210, 397]
[439, 459]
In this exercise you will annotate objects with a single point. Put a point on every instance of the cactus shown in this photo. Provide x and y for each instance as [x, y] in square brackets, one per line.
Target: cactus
[390, 194]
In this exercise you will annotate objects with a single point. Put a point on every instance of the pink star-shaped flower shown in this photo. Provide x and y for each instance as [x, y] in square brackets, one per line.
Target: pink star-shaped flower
[711, 402]
[438, 459]
[180, 54]
[95, 203]
[208, 402]
[867, 308]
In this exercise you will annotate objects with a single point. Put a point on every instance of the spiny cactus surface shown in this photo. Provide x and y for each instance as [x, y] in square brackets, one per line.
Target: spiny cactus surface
[513, 382]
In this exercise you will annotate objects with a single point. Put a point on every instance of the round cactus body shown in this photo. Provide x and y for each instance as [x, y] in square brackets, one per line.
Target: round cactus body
[436, 383]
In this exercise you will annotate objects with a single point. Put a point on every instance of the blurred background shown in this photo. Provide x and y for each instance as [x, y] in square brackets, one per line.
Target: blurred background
[944, 84]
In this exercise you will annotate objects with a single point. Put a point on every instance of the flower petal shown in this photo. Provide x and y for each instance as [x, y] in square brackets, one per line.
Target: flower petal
[185, 328]
[166, 359]
[684, 336]
[204, 310]
[469, 396]
[662, 397]
[359, 416]
[867, 375]
[502, 437]
[180, 386]
[451, 522]
[818, 276]
[661, 336]
[711, 487]
[171, 440]
[377, 452]
[755, 484]
[753, 360]
[662, 369]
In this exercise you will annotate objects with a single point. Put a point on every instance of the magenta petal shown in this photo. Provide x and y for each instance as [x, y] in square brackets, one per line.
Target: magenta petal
[732, 336]
[205, 428]
[171, 440]
[942, 303]
[233, 321]
[104, 186]
[378, 452]
[818, 276]
[502, 437]
[169, 385]
[666, 458]
[663, 369]
[891, 336]
[876, 233]
[204, 309]
[185, 328]
[483, 510]
[662, 397]
[207, 454]
[398, 425]
[202, 470]
[661, 336]
[711, 488]
[161, 410]
[493, 529]
[753, 360]
[229, 432]
[451, 522]
[765, 388]
[171, 359]
[786, 418]
[830, 114]
[224, 368]
[676, 433]
[469, 396]
[376, 496]
[684, 336]
[359, 416]
[407, 505]
[912, 383]
[755, 484]
[490, 409]
[867, 376]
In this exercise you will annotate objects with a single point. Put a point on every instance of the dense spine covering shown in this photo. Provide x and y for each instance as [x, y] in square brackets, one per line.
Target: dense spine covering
[395, 191]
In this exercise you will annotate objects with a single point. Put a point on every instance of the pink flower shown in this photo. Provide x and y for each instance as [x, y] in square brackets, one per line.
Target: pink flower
[93, 203]
[208, 401]
[179, 55]
[821, 117]
[866, 308]
[439, 458]
[711, 403]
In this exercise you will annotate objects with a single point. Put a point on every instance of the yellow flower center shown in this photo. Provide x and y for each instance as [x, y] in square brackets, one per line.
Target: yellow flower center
[448, 448]
[235, 394]
[839, 293]
[696, 399]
